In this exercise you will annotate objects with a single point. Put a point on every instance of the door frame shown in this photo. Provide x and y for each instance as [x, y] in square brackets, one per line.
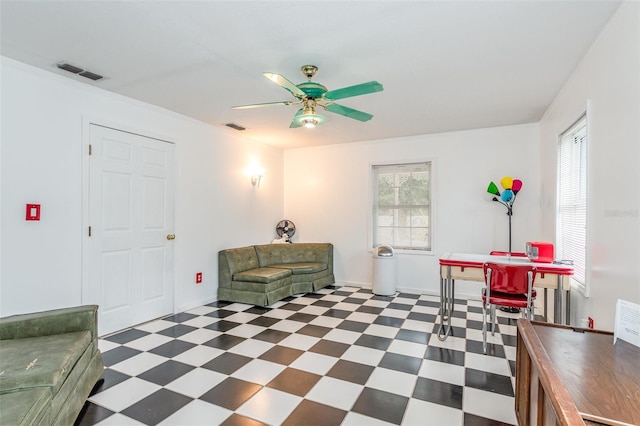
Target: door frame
[118, 125]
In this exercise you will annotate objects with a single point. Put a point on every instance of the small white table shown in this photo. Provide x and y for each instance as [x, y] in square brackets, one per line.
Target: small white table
[469, 267]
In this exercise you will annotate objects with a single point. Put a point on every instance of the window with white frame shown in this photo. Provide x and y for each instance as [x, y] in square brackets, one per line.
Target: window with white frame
[402, 205]
[571, 218]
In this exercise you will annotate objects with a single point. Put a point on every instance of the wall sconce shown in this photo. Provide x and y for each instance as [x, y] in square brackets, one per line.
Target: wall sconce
[255, 172]
[255, 180]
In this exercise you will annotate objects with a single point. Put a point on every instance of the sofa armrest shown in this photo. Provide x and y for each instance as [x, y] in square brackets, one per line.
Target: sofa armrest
[224, 271]
[48, 323]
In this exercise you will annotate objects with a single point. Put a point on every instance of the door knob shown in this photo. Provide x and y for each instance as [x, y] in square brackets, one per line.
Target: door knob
[171, 236]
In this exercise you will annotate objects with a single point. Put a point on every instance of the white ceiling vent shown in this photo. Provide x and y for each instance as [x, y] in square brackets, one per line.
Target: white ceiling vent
[79, 71]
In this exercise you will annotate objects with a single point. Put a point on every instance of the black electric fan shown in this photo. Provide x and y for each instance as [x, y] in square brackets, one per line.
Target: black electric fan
[286, 227]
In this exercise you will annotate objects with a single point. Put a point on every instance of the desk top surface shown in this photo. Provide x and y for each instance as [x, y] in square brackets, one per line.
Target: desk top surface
[469, 260]
[602, 378]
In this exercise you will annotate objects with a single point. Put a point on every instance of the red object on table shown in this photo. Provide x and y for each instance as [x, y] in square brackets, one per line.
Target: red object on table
[540, 252]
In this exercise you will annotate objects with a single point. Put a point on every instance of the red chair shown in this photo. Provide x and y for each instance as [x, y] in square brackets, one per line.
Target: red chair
[512, 254]
[506, 285]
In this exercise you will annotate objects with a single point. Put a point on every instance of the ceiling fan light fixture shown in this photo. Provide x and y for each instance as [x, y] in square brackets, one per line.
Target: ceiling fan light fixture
[309, 123]
[310, 120]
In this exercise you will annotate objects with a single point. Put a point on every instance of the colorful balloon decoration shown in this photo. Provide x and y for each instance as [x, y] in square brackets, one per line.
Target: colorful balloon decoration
[510, 189]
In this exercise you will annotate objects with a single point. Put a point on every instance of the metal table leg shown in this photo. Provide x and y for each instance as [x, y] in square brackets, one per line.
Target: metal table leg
[568, 306]
[446, 305]
[558, 307]
[546, 318]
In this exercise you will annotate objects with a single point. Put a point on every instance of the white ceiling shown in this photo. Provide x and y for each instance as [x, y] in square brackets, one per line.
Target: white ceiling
[445, 65]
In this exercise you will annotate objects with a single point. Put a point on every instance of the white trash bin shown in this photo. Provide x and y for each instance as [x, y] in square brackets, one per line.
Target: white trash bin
[384, 271]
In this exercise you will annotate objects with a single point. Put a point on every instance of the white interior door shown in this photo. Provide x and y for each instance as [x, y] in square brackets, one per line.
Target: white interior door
[131, 219]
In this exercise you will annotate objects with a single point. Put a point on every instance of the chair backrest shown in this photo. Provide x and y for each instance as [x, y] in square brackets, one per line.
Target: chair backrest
[507, 278]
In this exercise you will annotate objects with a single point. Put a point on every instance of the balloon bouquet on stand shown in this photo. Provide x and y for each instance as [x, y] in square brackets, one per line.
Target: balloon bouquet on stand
[510, 187]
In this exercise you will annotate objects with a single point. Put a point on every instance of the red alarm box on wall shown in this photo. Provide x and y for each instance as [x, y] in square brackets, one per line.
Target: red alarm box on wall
[540, 252]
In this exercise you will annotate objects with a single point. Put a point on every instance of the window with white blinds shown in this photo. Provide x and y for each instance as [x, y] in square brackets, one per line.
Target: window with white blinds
[571, 219]
[402, 205]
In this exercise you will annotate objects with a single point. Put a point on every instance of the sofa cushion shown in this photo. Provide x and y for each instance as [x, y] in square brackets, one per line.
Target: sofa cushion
[302, 267]
[256, 297]
[40, 361]
[77, 387]
[242, 259]
[26, 407]
[262, 288]
[262, 275]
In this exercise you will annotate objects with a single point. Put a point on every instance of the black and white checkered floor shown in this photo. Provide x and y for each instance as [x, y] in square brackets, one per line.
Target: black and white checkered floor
[340, 356]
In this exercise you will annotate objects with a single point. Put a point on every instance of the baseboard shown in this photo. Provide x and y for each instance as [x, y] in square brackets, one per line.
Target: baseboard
[196, 304]
[411, 290]
[353, 284]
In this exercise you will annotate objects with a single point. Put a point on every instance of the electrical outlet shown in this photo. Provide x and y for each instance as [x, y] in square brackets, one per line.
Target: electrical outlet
[198, 277]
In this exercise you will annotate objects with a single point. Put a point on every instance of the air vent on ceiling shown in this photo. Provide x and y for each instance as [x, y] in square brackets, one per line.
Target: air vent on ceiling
[91, 75]
[79, 71]
[70, 68]
[235, 126]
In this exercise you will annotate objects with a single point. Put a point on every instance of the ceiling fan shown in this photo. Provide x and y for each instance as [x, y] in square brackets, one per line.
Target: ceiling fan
[312, 95]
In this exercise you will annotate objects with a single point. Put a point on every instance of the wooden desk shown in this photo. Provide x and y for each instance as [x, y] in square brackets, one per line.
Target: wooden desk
[468, 267]
[570, 377]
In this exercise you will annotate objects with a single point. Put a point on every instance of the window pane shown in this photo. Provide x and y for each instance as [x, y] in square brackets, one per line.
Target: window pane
[414, 189]
[419, 237]
[385, 217]
[385, 236]
[386, 189]
[404, 217]
[403, 237]
[419, 217]
[420, 195]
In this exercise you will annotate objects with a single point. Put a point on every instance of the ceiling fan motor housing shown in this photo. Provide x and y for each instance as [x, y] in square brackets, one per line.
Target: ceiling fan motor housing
[312, 89]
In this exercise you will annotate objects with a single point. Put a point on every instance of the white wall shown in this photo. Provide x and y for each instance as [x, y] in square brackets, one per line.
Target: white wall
[42, 146]
[608, 80]
[327, 195]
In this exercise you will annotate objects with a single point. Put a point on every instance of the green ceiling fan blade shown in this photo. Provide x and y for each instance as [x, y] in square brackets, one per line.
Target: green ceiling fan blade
[285, 84]
[295, 122]
[349, 112]
[357, 90]
[262, 105]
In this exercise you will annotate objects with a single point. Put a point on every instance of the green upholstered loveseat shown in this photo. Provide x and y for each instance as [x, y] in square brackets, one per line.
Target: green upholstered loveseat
[263, 274]
[49, 362]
